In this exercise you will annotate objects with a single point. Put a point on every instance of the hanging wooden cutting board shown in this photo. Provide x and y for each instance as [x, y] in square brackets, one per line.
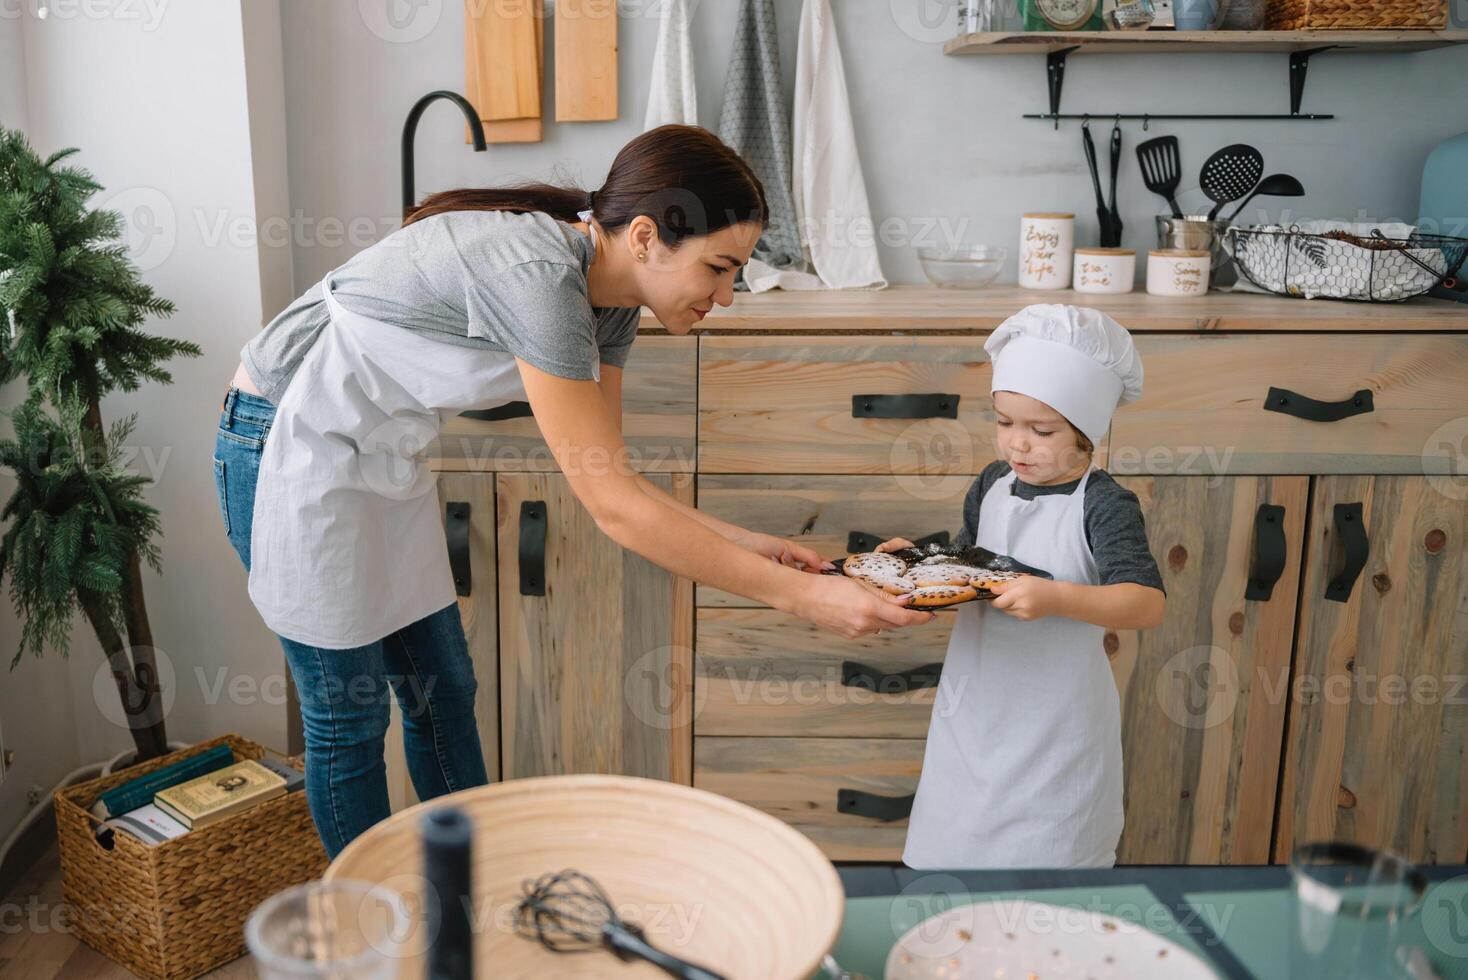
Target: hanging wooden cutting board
[504, 43]
[586, 60]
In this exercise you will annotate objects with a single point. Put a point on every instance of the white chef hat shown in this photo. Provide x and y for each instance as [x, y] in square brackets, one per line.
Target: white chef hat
[1077, 360]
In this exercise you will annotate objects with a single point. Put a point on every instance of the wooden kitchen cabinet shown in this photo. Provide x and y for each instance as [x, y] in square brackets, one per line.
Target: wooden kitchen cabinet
[1202, 695]
[595, 673]
[1379, 705]
[466, 502]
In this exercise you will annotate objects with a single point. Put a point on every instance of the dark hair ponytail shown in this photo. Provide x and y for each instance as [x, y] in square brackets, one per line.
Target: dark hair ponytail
[682, 177]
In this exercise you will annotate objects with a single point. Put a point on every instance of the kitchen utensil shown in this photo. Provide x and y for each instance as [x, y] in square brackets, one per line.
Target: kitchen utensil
[1103, 214]
[1177, 272]
[1230, 174]
[1113, 239]
[714, 880]
[1443, 203]
[962, 266]
[1319, 260]
[1130, 15]
[1104, 270]
[586, 60]
[1348, 907]
[503, 63]
[568, 912]
[1161, 164]
[1275, 185]
[1023, 938]
[1195, 232]
[321, 930]
[1046, 243]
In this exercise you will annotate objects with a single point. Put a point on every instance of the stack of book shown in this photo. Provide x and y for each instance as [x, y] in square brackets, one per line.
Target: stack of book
[193, 793]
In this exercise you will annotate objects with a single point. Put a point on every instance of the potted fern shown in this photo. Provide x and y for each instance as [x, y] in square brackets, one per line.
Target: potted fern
[77, 529]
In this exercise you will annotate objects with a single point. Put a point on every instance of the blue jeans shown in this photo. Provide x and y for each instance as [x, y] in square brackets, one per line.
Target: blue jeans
[344, 693]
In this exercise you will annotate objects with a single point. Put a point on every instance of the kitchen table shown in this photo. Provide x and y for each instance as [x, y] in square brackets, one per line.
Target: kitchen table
[1236, 917]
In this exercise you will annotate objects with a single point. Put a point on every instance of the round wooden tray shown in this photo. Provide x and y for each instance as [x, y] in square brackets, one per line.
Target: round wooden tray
[711, 880]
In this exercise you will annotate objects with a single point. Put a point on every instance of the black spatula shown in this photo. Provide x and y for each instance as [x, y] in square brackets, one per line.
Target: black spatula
[1161, 164]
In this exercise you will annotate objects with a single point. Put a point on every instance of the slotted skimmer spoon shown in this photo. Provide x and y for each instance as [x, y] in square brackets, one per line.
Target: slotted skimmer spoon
[1229, 174]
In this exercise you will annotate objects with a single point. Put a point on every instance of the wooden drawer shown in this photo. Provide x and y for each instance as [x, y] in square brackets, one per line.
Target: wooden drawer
[823, 511]
[1203, 411]
[762, 672]
[659, 386]
[798, 779]
[784, 405]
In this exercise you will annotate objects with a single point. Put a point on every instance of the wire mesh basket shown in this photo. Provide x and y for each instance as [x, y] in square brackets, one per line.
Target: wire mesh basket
[1342, 265]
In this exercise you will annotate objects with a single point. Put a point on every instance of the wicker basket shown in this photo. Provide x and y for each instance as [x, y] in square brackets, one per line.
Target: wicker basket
[1296, 15]
[175, 910]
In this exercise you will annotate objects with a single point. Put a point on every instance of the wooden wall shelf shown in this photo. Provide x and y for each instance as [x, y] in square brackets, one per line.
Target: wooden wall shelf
[1134, 42]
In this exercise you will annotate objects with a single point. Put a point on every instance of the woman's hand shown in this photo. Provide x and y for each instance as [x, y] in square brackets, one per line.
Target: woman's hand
[1027, 597]
[785, 552]
[846, 607]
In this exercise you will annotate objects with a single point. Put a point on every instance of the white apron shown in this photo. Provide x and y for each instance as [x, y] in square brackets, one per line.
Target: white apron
[1023, 762]
[347, 544]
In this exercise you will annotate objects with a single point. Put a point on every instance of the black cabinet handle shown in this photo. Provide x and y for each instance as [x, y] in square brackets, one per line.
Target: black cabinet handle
[854, 674]
[931, 406]
[884, 808]
[1269, 552]
[1352, 530]
[1291, 403]
[509, 410]
[456, 530]
[532, 547]
[860, 542]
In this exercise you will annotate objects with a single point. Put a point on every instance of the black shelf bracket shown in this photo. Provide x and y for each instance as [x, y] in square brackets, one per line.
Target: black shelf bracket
[1055, 77]
[1299, 66]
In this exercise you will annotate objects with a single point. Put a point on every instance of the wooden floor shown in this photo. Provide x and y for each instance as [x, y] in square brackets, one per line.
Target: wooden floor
[34, 947]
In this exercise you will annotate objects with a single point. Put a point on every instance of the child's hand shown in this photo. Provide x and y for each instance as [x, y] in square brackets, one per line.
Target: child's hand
[1027, 597]
[893, 544]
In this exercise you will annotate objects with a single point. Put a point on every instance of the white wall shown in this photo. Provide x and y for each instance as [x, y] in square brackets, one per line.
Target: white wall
[155, 94]
[940, 137]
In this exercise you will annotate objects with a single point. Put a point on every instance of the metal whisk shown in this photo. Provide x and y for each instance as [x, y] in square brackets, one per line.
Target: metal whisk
[568, 912]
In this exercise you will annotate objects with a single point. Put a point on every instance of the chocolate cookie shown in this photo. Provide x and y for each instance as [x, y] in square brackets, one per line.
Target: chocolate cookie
[943, 574]
[942, 595]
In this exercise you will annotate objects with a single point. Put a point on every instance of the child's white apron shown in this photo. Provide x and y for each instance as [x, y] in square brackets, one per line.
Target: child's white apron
[347, 544]
[1023, 762]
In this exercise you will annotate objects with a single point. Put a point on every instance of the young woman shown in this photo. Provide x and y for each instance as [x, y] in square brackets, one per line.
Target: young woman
[483, 297]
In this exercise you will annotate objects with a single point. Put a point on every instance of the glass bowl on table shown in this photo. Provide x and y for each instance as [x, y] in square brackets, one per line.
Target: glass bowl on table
[962, 266]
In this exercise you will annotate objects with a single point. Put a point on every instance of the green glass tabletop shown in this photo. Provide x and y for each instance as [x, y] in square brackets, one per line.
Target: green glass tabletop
[1254, 926]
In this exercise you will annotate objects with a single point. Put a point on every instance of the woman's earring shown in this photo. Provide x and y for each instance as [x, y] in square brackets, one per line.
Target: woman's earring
[642, 256]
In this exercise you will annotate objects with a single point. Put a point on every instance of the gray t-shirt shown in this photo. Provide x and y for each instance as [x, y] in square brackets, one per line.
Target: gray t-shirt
[487, 279]
[1115, 529]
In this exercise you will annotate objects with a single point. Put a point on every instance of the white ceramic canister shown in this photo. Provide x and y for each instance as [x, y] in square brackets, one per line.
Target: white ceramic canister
[1046, 245]
[1177, 272]
[1104, 270]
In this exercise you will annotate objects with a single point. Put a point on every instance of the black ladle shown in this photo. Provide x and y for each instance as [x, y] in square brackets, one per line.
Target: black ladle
[1230, 174]
[1275, 185]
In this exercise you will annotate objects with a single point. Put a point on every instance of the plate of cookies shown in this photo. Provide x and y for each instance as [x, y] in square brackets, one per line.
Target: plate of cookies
[936, 576]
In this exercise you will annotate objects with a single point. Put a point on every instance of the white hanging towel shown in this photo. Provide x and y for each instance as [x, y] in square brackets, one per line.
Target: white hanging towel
[672, 96]
[831, 206]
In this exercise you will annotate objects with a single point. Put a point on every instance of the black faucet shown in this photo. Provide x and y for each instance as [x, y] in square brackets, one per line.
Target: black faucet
[410, 129]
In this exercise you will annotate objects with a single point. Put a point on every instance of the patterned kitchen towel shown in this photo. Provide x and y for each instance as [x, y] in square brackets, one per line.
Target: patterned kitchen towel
[672, 96]
[756, 124]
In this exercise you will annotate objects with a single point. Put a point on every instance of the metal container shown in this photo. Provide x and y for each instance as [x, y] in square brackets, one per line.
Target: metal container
[1197, 232]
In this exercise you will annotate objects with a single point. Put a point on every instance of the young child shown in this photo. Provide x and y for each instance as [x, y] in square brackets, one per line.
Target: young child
[1023, 761]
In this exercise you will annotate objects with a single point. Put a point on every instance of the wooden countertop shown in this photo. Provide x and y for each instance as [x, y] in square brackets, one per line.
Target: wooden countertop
[928, 309]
